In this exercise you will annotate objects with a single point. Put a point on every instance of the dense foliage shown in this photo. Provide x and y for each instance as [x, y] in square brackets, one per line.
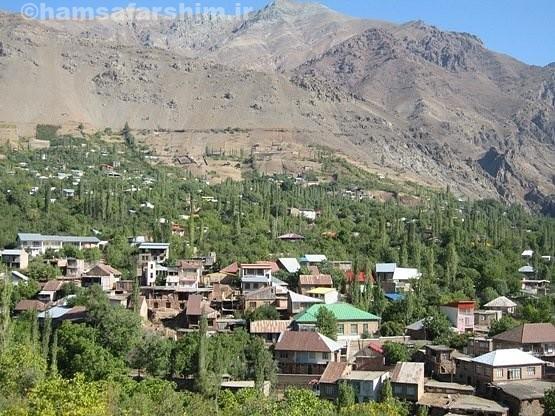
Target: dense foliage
[112, 365]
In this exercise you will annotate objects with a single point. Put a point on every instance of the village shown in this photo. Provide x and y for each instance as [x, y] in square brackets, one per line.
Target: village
[500, 375]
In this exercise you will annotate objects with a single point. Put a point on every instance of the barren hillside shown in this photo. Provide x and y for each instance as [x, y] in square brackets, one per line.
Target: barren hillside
[409, 100]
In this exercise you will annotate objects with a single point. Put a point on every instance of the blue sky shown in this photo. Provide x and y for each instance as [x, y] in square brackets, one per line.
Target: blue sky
[524, 29]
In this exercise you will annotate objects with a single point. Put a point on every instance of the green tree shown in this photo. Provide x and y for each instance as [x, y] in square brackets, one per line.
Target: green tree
[75, 397]
[549, 402]
[395, 352]
[502, 325]
[264, 312]
[152, 354]
[346, 395]
[326, 323]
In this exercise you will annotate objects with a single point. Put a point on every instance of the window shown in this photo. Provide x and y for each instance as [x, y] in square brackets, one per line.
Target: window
[341, 329]
[513, 374]
[312, 355]
[283, 355]
[354, 329]
[531, 371]
[397, 389]
[365, 328]
[498, 373]
[411, 390]
[326, 355]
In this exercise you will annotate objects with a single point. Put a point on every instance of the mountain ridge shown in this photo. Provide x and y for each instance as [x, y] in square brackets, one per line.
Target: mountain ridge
[410, 99]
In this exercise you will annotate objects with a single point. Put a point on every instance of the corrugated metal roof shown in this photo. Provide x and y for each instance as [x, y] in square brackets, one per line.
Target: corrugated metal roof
[315, 258]
[405, 372]
[307, 342]
[500, 302]
[290, 264]
[341, 311]
[386, 267]
[315, 280]
[298, 298]
[508, 357]
[154, 246]
[62, 238]
[269, 326]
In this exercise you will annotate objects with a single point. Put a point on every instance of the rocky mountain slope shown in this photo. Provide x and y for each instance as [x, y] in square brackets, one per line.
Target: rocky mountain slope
[410, 101]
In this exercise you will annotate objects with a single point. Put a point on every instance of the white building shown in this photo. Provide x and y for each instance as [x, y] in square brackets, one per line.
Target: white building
[37, 244]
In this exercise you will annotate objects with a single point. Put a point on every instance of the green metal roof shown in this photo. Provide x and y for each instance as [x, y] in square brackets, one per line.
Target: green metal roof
[342, 312]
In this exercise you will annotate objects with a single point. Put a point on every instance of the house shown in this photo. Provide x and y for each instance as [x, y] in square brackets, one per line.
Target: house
[153, 252]
[198, 307]
[305, 352]
[103, 275]
[268, 329]
[119, 299]
[439, 362]
[18, 278]
[142, 309]
[186, 273]
[535, 287]
[327, 295]
[366, 385]
[50, 291]
[499, 365]
[62, 313]
[527, 254]
[528, 271]
[343, 265]
[74, 268]
[483, 319]
[407, 381]
[255, 276]
[68, 193]
[307, 282]
[291, 237]
[394, 279]
[312, 259]
[524, 397]
[352, 322]
[478, 346]
[460, 314]
[26, 305]
[299, 303]
[329, 381]
[37, 244]
[208, 260]
[502, 304]
[369, 358]
[440, 404]
[15, 259]
[308, 214]
[290, 264]
[236, 386]
[417, 330]
[536, 339]
[269, 295]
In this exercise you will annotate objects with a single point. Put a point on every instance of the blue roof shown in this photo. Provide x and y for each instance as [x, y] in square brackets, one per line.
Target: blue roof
[395, 297]
[386, 267]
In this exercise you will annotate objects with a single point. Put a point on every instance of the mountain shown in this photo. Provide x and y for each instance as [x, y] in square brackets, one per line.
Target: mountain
[409, 101]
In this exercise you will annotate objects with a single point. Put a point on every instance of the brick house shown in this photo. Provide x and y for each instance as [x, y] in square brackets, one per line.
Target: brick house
[305, 352]
[537, 339]
[498, 365]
